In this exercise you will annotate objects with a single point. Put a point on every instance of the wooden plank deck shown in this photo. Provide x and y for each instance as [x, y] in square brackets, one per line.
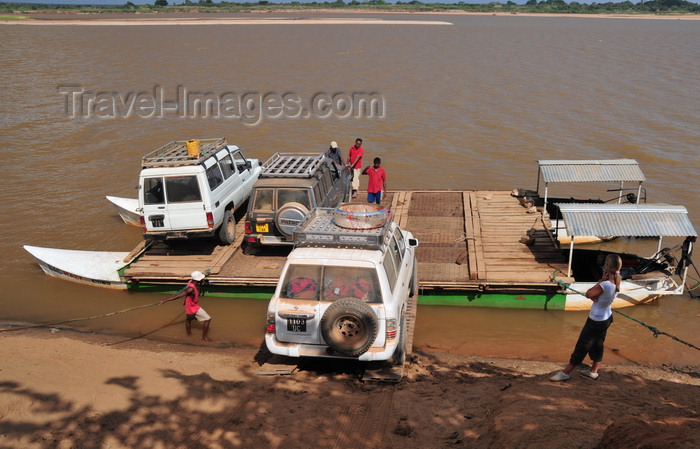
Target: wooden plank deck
[468, 240]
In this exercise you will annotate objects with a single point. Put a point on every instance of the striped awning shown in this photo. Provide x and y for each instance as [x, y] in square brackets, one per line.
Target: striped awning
[623, 220]
[612, 170]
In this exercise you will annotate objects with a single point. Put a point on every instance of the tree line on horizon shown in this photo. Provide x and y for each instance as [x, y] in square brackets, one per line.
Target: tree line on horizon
[531, 6]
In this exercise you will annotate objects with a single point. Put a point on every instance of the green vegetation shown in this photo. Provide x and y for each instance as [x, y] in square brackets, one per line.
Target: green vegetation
[12, 17]
[532, 6]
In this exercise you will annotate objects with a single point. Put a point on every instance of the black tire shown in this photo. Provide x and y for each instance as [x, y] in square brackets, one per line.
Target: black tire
[227, 231]
[349, 327]
[399, 357]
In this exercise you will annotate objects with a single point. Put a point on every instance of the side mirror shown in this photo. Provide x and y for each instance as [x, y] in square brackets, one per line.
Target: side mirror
[413, 242]
[248, 165]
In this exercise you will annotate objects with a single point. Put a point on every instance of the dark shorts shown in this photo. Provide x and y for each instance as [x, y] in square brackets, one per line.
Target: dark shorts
[591, 341]
[374, 197]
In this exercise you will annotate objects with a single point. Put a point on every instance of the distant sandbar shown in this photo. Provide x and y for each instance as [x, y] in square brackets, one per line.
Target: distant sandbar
[222, 21]
[197, 19]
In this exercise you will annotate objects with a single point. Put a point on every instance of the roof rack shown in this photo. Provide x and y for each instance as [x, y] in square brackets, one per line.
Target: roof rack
[176, 153]
[299, 165]
[320, 229]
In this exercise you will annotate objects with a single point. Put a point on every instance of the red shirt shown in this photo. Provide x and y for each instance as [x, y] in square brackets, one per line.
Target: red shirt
[356, 156]
[377, 176]
[192, 302]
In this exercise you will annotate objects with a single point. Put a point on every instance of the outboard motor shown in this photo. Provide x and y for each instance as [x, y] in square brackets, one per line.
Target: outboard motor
[687, 251]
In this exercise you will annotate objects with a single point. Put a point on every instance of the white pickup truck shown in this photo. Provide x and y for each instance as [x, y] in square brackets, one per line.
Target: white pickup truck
[190, 189]
[343, 292]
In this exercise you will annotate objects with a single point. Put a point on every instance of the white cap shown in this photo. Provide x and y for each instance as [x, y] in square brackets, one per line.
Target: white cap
[197, 275]
[334, 144]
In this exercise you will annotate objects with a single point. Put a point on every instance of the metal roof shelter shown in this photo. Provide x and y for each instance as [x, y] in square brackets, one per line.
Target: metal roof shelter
[578, 171]
[640, 220]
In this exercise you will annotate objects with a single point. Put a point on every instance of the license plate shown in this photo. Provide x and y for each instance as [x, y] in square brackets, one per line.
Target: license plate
[157, 223]
[296, 324]
[262, 227]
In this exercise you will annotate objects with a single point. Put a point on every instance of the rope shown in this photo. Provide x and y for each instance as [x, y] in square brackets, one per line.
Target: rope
[80, 319]
[206, 273]
[654, 329]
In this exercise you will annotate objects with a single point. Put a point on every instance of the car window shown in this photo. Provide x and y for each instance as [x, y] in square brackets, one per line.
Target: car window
[390, 269]
[395, 248]
[240, 161]
[399, 239]
[180, 189]
[262, 199]
[345, 282]
[301, 282]
[214, 176]
[318, 193]
[227, 166]
[285, 196]
[153, 191]
[327, 182]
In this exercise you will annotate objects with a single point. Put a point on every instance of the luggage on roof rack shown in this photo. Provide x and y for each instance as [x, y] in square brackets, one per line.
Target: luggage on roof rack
[320, 228]
[179, 152]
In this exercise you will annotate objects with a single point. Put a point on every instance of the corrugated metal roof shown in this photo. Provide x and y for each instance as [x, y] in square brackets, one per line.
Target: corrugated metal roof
[641, 220]
[612, 170]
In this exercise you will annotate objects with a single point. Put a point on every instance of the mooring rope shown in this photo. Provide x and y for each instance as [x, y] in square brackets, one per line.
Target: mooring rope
[654, 329]
[206, 273]
[80, 319]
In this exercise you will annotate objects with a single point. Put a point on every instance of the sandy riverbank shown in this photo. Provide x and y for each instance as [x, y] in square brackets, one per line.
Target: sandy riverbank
[64, 390]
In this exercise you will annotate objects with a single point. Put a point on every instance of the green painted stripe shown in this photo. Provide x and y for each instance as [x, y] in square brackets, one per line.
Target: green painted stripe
[540, 301]
[208, 290]
[554, 301]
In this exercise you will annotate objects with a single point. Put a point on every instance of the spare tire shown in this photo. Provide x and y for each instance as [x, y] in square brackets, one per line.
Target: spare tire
[349, 327]
[289, 217]
[360, 216]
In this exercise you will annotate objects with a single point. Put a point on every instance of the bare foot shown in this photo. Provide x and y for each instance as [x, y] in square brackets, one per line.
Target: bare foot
[206, 339]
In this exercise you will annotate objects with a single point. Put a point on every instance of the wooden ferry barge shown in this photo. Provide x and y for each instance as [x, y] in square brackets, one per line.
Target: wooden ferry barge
[477, 247]
[470, 249]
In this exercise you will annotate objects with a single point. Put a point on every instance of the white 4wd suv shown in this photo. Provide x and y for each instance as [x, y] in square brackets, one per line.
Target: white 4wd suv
[191, 189]
[343, 292]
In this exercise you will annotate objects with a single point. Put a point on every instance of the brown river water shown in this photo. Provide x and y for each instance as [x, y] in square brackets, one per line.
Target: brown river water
[471, 102]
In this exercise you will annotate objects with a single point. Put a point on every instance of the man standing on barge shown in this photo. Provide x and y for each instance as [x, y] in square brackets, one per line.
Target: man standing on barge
[192, 308]
[334, 154]
[377, 181]
[355, 163]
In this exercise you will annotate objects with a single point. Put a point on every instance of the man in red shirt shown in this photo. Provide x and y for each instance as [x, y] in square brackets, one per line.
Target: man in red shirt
[192, 308]
[377, 181]
[355, 163]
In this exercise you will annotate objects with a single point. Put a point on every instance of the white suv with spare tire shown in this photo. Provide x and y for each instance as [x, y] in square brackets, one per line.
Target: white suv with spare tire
[344, 290]
[191, 189]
